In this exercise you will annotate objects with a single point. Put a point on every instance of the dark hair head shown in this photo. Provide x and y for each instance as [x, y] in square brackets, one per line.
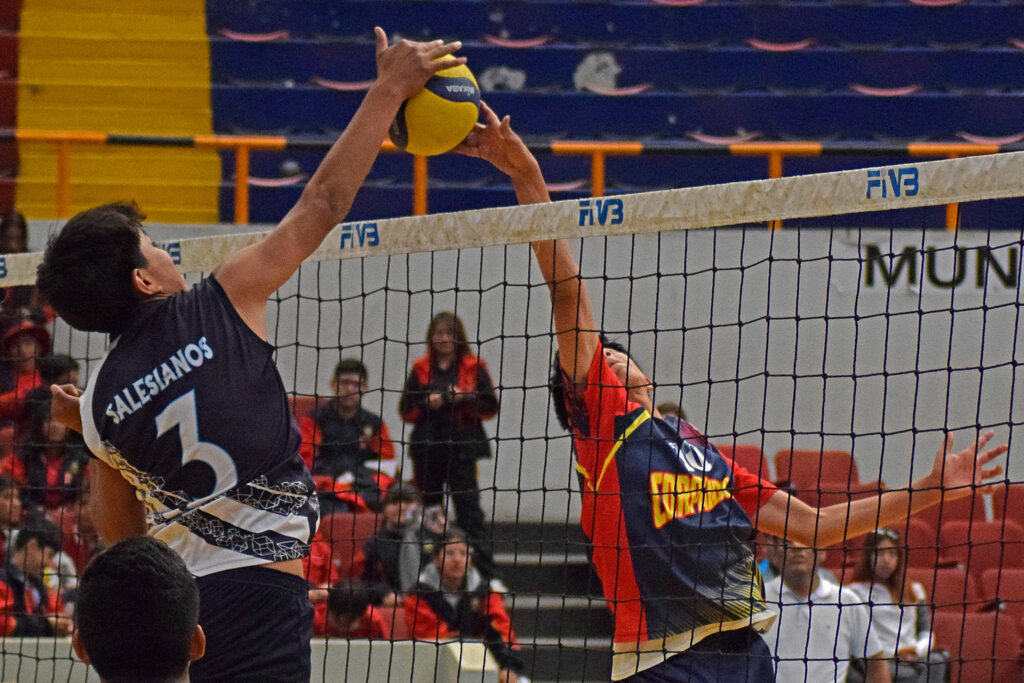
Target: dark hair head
[452, 322]
[7, 483]
[556, 383]
[349, 599]
[16, 221]
[53, 367]
[864, 570]
[402, 492]
[452, 534]
[351, 366]
[39, 529]
[86, 273]
[137, 610]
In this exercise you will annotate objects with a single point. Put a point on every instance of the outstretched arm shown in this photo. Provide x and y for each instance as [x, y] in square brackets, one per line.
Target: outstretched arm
[495, 141]
[953, 475]
[252, 274]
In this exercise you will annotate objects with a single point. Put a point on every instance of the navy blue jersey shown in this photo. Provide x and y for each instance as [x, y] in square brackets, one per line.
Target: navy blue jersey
[188, 405]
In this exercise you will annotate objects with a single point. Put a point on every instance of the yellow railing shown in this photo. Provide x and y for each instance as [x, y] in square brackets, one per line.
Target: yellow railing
[774, 152]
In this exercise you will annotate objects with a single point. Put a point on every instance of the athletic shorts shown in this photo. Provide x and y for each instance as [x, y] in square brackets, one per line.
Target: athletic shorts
[258, 624]
[739, 656]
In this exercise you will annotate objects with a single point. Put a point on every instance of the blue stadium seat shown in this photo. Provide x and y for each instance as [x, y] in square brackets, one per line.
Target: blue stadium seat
[733, 67]
[885, 22]
[829, 115]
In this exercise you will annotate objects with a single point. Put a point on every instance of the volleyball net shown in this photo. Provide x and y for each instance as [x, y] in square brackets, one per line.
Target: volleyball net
[830, 356]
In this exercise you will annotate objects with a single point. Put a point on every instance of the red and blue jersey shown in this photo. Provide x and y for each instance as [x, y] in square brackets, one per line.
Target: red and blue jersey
[669, 520]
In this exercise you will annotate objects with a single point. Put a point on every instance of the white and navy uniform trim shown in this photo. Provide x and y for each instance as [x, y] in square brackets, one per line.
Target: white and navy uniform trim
[188, 405]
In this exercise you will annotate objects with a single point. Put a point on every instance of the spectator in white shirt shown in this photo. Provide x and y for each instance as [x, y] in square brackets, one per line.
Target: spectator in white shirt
[820, 626]
[900, 615]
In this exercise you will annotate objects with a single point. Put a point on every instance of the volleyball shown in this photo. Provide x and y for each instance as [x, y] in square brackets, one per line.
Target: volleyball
[439, 117]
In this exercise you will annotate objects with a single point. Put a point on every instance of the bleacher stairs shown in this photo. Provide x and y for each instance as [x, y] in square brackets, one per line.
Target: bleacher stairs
[129, 66]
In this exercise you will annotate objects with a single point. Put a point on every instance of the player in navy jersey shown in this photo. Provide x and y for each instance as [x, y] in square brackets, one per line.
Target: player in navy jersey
[186, 413]
[669, 519]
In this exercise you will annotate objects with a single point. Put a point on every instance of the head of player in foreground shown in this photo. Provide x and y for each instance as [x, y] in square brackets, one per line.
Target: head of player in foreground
[137, 614]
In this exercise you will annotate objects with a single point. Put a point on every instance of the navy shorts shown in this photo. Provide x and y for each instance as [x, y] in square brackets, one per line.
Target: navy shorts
[258, 624]
[739, 656]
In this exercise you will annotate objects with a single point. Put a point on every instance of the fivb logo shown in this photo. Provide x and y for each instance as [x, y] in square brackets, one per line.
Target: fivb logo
[172, 248]
[600, 212]
[898, 181]
[359, 235]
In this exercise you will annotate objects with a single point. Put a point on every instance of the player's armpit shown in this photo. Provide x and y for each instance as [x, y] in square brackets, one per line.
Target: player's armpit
[117, 513]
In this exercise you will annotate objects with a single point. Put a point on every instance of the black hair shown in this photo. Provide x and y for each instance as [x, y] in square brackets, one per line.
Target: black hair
[556, 383]
[137, 611]
[17, 220]
[86, 273]
[41, 530]
[52, 367]
[402, 492]
[351, 366]
[7, 483]
[452, 534]
[349, 599]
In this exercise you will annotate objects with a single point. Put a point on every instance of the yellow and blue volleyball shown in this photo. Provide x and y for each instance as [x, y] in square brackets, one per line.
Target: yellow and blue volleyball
[439, 117]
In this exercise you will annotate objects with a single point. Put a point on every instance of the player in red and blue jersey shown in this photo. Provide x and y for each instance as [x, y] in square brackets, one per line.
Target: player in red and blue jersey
[669, 519]
[186, 412]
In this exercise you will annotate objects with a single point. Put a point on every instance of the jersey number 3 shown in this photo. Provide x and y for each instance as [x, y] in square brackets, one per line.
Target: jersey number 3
[182, 413]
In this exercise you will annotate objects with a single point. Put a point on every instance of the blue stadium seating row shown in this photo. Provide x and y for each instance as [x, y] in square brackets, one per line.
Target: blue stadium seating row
[582, 115]
[873, 23]
[732, 67]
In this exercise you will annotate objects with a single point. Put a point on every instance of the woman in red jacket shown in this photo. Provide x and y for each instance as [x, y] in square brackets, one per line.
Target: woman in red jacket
[447, 396]
[453, 601]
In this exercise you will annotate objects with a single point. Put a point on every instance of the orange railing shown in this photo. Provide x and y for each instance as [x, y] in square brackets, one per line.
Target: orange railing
[774, 152]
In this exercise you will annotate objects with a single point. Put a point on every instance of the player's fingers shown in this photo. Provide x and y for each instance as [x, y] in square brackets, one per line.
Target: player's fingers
[989, 472]
[984, 439]
[992, 453]
[382, 39]
[440, 49]
[489, 116]
[436, 66]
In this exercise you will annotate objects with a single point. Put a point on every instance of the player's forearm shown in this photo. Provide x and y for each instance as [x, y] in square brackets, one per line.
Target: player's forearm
[116, 512]
[528, 182]
[839, 522]
[332, 189]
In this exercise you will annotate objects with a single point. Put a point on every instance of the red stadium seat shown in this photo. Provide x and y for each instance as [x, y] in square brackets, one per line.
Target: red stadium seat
[1006, 587]
[347, 532]
[814, 471]
[748, 456]
[968, 508]
[982, 545]
[303, 405]
[1008, 502]
[947, 588]
[982, 646]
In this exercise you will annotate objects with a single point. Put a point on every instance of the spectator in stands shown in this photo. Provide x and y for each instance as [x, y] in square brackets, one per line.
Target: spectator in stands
[80, 540]
[453, 600]
[348, 443]
[22, 347]
[446, 397]
[10, 514]
[775, 552]
[27, 607]
[820, 625]
[137, 614]
[53, 459]
[900, 616]
[20, 303]
[351, 613]
[391, 561]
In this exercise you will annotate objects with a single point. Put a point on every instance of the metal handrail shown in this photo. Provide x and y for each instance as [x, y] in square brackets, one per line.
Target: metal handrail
[598, 151]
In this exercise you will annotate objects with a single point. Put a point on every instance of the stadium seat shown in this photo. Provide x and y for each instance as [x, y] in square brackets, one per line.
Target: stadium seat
[748, 456]
[1005, 587]
[982, 646]
[969, 508]
[947, 588]
[982, 545]
[347, 532]
[1008, 502]
[810, 472]
[304, 405]
[922, 542]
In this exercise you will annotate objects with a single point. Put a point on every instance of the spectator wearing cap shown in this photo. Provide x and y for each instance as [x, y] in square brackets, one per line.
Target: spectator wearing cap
[22, 347]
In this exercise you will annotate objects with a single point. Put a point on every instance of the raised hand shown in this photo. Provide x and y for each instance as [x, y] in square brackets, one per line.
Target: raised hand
[65, 408]
[406, 66]
[961, 474]
[496, 142]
